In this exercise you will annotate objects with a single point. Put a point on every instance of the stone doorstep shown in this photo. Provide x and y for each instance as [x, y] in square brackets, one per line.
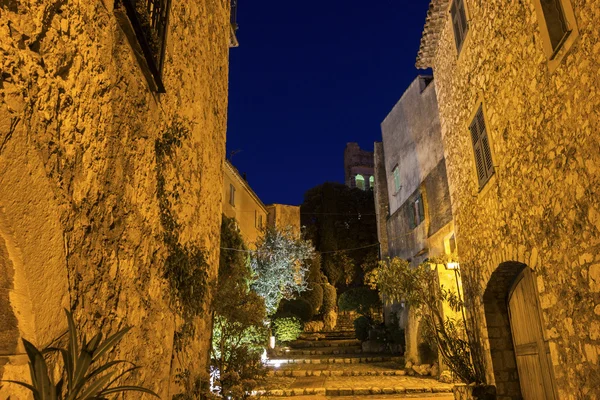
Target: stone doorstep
[351, 391]
[309, 372]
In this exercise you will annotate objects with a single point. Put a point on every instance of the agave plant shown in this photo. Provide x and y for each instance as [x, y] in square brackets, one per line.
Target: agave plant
[85, 376]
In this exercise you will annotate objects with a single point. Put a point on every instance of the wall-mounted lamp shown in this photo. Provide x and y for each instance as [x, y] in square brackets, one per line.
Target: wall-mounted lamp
[452, 265]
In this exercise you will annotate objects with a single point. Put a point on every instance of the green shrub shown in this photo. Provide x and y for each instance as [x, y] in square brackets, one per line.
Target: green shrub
[329, 297]
[360, 299]
[298, 307]
[314, 297]
[362, 326]
[287, 329]
[86, 373]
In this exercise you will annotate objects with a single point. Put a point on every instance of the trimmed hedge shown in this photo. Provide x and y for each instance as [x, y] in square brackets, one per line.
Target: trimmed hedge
[362, 326]
[329, 297]
[314, 297]
[287, 329]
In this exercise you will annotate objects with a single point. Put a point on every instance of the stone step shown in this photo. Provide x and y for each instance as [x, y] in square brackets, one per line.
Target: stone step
[365, 391]
[319, 351]
[327, 372]
[335, 360]
[301, 344]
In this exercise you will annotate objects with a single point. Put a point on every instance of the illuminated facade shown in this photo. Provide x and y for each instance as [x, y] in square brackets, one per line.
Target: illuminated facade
[519, 95]
[240, 202]
[412, 198]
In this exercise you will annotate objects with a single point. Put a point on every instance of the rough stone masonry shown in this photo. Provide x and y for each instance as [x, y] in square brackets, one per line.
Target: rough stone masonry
[80, 221]
[541, 208]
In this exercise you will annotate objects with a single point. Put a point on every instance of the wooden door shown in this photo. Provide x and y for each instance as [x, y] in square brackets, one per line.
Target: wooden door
[531, 350]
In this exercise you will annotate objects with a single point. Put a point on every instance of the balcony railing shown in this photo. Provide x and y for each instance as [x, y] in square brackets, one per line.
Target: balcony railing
[149, 19]
[233, 42]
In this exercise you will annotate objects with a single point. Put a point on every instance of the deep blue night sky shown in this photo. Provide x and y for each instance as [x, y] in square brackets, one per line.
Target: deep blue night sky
[310, 76]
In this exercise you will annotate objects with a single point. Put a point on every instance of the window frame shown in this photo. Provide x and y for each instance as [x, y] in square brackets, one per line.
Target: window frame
[459, 5]
[232, 195]
[150, 61]
[396, 178]
[364, 187]
[417, 212]
[555, 56]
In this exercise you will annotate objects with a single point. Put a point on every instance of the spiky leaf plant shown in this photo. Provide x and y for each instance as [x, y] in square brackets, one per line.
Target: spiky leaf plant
[85, 376]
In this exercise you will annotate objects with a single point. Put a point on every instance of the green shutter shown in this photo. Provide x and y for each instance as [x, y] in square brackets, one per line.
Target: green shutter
[481, 148]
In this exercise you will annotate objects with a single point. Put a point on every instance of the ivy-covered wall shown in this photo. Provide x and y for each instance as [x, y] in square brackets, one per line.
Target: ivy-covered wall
[96, 214]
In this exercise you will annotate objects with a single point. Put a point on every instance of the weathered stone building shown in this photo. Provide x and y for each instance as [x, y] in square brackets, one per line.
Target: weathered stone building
[411, 169]
[358, 167]
[112, 136]
[519, 92]
[282, 216]
[240, 202]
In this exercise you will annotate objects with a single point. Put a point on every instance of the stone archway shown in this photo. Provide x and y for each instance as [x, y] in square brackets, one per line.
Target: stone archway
[495, 303]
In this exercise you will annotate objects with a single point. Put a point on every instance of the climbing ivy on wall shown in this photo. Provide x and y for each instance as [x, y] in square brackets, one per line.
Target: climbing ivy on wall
[185, 266]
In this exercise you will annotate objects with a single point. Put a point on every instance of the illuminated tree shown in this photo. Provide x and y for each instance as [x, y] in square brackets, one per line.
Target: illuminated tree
[280, 265]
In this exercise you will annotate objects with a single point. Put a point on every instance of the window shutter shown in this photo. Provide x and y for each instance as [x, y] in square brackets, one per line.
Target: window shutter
[463, 18]
[459, 22]
[411, 216]
[456, 25]
[421, 209]
[481, 148]
[479, 162]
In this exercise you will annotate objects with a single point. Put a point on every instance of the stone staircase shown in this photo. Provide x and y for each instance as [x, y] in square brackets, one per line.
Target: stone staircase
[334, 364]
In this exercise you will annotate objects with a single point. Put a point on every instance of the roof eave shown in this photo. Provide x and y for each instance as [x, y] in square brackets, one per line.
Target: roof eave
[434, 23]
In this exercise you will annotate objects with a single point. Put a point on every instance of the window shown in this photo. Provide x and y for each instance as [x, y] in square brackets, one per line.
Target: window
[360, 181]
[258, 218]
[146, 31]
[396, 175]
[231, 195]
[558, 28]
[555, 21]
[481, 149]
[372, 182]
[459, 22]
[416, 212]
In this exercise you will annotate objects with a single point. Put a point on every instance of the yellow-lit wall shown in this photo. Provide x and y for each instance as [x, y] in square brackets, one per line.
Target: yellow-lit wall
[247, 209]
[283, 216]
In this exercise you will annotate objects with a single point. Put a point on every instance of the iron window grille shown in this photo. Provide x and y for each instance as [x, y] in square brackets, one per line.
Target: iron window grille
[233, 42]
[149, 20]
[481, 149]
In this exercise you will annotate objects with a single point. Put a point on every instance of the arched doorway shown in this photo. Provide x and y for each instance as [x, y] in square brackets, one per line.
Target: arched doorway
[531, 350]
[519, 353]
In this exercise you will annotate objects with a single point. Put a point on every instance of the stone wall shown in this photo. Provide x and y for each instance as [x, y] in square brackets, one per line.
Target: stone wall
[411, 140]
[381, 199]
[541, 208]
[80, 221]
[283, 216]
[357, 161]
